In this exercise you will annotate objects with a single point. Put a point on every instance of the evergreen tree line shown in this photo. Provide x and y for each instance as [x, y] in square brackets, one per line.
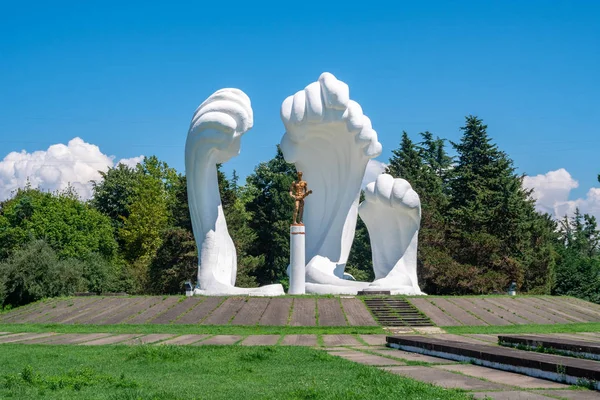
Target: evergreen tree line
[479, 229]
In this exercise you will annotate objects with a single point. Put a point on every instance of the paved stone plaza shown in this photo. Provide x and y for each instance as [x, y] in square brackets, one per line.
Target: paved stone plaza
[505, 310]
[310, 311]
[241, 311]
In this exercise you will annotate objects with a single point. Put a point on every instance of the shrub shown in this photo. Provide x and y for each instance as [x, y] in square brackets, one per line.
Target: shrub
[103, 276]
[175, 262]
[34, 272]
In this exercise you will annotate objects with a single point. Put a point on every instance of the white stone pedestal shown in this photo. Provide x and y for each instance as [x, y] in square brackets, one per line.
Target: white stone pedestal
[297, 260]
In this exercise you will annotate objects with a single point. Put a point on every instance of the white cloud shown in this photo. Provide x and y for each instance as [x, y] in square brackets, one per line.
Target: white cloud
[131, 162]
[551, 188]
[374, 168]
[76, 163]
[588, 205]
[551, 192]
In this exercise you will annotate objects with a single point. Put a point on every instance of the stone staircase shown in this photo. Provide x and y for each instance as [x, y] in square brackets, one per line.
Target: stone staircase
[393, 311]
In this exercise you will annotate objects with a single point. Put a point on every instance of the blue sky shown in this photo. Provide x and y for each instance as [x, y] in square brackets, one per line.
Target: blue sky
[127, 76]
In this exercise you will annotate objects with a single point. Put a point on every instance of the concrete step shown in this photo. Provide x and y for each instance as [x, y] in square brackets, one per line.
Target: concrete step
[568, 347]
[547, 366]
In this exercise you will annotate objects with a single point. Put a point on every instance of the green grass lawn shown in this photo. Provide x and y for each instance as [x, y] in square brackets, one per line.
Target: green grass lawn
[209, 372]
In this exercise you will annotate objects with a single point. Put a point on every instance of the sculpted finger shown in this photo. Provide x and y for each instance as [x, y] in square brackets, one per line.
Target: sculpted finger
[336, 94]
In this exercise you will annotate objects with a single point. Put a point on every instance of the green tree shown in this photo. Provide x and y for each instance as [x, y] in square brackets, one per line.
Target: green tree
[176, 262]
[270, 206]
[244, 239]
[160, 171]
[113, 193]
[437, 271]
[540, 254]
[489, 211]
[406, 162]
[578, 266]
[141, 234]
[425, 166]
[71, 227]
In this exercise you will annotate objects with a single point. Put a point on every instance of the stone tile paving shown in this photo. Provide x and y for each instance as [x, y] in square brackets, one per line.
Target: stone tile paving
[444, 378]
[510, 395]
[457, 313]
[366, 347]
[201, 311]
[110, 340]
[589, 313]
[330, 313]
[90, 310]
[28, 309]
[147, 339]
[427, 330]
[184, 339]
[571, 316]
[97, 318]
[526, 305]
[504, 377]
[17, 337]
[571, 394]
[74, 338]
[304, 312]
[225, 312]
[408, 356]
[251, 312]
[572, 336]
[366, 359]
[593, 334]
[30, 313]
[490, 339]
[481, 313]
[499, 311]
[340, 340]
[582, 303]
[129, 312]
[175, 311]
[356, 313]
[461, 338]
[261, 340]
[436, 315]
[58, 309]
[19, 312]
[277, 313]
[220, 340]
[64, 309]
[300, 340]
[511, 306]
[374, 340]
[561, 310]
[153, 311]
[42, 339]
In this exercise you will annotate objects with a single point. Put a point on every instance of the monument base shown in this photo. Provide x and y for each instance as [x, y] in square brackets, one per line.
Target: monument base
[367, 292]
[297, 260]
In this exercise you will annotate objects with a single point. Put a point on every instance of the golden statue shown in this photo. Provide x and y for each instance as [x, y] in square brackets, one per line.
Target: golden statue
[299, 191]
